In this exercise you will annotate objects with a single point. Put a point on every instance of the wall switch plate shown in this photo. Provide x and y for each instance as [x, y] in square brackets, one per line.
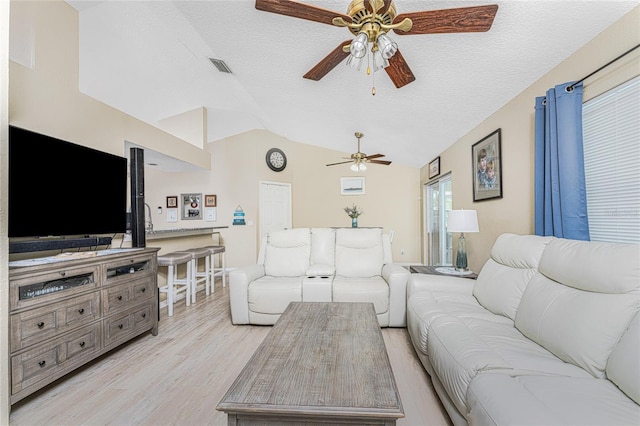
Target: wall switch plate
[172, 215]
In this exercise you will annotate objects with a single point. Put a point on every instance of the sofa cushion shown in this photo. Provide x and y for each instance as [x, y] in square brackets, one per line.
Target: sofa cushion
[374, 290]
[287, 252]
[426, 306]
[359, 252]
[460, 347]
[457, 355]
[499, 399]
[323, 246]
[623, 367]
[581, 301]
[503, 278]
[271, 295]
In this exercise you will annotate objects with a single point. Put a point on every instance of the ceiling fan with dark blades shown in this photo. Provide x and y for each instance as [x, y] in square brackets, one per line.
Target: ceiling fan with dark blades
[371, 20]
[359, 159]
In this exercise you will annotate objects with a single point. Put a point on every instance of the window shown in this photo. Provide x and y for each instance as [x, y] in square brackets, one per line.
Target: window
[611, 137]
[438, 202]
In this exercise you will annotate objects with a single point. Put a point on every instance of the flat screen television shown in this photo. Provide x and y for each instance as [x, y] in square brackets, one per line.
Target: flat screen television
[58, 188]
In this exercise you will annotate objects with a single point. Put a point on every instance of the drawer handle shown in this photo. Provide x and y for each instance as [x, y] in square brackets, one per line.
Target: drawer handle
[120, 326]
[81, 311]
[82, 344]
[42, 363]
[143, 289]
[63, 273]
[119, 297]
[40, 324]
[144, 315]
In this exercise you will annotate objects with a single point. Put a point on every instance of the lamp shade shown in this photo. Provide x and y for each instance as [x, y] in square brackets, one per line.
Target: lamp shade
[358, 46]
[387, 47]
[462, 221]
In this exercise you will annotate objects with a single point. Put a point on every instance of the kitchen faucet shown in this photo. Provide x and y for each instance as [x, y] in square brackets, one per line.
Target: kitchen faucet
[148, 224]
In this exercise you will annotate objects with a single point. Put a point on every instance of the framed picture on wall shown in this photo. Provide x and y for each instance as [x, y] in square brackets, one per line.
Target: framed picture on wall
[434, 168]
[352, 186]
[172, 202]
[210, 200]
[486, 157]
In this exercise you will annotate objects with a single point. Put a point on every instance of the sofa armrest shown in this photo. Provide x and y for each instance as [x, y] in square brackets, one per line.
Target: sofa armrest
[239, 280]
[396, 277]
[440, 283]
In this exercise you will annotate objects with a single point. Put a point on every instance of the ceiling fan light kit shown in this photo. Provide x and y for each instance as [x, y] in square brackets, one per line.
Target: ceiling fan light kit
[370, 21]
[359, 159]
[359, 167]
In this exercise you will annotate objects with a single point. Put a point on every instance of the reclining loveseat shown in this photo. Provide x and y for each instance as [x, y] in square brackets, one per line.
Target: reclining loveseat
[320, 265]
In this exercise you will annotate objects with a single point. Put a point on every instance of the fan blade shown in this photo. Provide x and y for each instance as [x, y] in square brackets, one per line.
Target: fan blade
[399, 71]
[369, 157]
[342, 162]
[459, 20]
[385, 6]
[386, 163]
[323, 67]
[300, 10]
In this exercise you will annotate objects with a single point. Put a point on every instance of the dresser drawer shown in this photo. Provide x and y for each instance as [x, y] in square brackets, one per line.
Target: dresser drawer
[48, 287]
[129, 269]
[123, 326]
[125, 295]
[47, 361]
[143, 316]
[38, 324]
[117, 326]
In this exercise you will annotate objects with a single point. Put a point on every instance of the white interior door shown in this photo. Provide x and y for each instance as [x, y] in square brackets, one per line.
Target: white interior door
[275, 206]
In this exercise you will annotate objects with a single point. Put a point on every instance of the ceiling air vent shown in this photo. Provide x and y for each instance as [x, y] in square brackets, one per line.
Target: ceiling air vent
[219, 63]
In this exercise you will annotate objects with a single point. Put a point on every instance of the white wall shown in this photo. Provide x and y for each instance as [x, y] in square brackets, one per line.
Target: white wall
[391, 198]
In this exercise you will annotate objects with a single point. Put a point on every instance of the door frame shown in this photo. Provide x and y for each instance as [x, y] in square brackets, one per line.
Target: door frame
[445, 237]
[260, 209]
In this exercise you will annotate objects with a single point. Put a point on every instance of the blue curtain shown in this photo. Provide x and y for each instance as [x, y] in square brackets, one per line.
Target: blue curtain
[560, 191]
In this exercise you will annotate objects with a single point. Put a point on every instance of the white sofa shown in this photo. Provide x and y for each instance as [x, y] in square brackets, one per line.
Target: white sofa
[320, 265]
[548, 334]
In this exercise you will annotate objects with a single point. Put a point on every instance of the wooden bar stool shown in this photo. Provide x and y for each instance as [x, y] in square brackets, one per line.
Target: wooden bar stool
[176, 285]
[196, 276]
[217, 272]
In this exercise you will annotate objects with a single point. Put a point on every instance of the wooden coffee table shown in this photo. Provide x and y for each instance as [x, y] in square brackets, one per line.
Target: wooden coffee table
[321, 363]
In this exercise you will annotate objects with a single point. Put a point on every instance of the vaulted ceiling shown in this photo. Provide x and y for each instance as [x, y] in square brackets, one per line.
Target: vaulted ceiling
[150, 59]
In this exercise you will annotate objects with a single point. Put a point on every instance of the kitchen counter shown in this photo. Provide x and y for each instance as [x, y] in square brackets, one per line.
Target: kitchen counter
[162, 234]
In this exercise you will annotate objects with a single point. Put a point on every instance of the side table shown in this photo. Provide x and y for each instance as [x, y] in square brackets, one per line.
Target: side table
[431, 270]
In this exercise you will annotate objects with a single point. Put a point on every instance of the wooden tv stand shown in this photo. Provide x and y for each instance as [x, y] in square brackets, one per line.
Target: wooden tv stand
[67, 310]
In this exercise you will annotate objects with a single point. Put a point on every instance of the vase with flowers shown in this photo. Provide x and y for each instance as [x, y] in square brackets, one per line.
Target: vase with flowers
[353, 212]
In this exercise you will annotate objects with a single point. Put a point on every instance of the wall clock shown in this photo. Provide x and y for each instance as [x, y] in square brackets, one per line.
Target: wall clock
[276, 160]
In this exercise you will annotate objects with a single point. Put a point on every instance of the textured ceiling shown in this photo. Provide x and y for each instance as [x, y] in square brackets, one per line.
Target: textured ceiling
[151, 60]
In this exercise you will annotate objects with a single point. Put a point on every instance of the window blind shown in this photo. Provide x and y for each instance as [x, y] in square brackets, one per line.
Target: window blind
[611, 137]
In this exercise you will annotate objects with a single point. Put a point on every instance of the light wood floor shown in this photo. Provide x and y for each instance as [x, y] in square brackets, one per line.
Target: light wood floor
[179, 376]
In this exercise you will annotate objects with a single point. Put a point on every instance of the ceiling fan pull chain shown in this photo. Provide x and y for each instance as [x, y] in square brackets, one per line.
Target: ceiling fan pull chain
[373, 84]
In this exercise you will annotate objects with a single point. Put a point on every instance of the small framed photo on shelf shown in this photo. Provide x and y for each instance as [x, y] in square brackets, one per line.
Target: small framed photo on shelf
[434, 168]
[172, 202]
[210, 201]
[486, 157]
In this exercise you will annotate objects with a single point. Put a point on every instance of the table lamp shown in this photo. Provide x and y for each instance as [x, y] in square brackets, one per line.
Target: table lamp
[462, 221]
